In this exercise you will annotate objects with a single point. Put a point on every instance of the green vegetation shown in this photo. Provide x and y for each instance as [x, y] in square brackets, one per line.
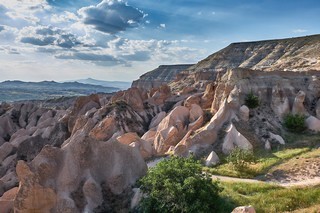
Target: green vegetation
[268, 198]
[240, 159]
[179, 185]
[252, 101]
[263, 163]
[294, 123]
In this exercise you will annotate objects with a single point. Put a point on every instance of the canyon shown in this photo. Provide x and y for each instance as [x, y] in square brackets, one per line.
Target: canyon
[85, 154]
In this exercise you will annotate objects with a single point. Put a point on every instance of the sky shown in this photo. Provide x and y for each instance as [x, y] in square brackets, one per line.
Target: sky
[120, 40]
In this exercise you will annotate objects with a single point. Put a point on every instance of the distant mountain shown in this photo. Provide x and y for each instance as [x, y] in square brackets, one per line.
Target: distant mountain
[19, 90]
[118, 84]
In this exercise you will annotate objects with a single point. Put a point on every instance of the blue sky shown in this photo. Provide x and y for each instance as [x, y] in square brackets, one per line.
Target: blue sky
[120, 40]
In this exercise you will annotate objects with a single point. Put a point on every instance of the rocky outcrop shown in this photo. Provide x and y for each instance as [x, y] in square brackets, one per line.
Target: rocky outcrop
[283, 54]
[298, 107]
[313, 123]
[212, 159]
[85, 175]
[26, 129]
[292, 54]
[235, 139]
[244, 209]
[157, 77]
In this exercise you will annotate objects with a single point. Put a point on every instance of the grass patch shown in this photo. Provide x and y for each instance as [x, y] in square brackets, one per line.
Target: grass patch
[302, 140]
[264, 162]
[268, 197]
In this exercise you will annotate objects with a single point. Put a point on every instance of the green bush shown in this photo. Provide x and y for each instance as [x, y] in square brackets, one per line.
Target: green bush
[252, 101]
[179, 185]
[240, 159]
[294, 123]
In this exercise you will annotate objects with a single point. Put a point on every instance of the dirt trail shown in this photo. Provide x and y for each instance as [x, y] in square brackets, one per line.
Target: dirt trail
[302, 183]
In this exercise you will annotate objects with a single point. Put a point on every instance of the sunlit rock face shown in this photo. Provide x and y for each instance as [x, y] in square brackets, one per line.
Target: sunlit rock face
[293, 54]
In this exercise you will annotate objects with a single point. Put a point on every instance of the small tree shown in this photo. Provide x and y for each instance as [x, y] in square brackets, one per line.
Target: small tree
[295, 123]
[240, 159]
[252, 101]
[178, 185]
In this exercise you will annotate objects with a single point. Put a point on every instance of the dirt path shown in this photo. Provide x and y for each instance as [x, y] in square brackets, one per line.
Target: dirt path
[303, 183]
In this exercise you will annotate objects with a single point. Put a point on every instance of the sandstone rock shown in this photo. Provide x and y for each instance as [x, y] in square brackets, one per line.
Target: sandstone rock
[149, 136]
[244, 209]
[7, 127]
[133, 97]
[298, 107]
[235, 138]
[78, 176]
[280, 102]
[267, 145]
[157, 119]
[187, 90]
[196, 124]
[5, 150]
[134, 140]
[171, 129]
[80, 107]
[193, 99]
[128, 138]
[313, 123]
[207, 98]
[195, 113]
[177, 114]
[105, 129]
[31, 195]
[208, 134]
[318, 109]
[160, 95]
[244, 113]
[7, 200]
[278, 138]
[212, 159]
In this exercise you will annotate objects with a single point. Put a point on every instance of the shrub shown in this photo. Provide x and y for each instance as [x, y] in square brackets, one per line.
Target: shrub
[179, 185]
[252, 101]
[240, 159]
[294, 123]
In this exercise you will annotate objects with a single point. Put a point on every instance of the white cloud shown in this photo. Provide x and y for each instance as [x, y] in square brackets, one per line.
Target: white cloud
[163, 26]
[66, 16]
[20, 13]
[299, 31]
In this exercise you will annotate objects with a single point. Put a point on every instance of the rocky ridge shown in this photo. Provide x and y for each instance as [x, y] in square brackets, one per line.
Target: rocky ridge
[159, 76]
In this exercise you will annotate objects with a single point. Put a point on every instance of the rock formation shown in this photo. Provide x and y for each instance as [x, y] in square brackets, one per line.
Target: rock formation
[162, 75]
[82, 176]
[84, 155]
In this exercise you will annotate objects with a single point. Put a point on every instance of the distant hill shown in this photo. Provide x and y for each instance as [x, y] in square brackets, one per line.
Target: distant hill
[19, 90]
[118, 84]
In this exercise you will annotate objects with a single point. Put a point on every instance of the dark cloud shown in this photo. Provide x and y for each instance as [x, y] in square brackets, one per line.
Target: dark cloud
[99, 59]
[111, 16]
[46, 35]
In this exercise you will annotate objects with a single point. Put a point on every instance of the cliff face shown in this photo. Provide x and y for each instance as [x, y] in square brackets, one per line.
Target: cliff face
[292, 54]
[302, 53]
[159, 76]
